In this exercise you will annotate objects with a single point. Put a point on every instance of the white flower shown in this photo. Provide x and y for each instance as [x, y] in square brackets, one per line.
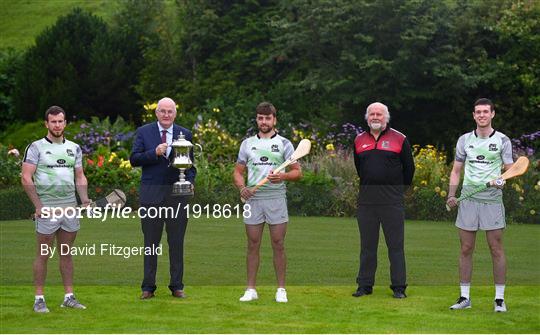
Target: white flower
[14, 152]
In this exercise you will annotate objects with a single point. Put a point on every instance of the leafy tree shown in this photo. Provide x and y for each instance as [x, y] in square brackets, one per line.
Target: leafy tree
[77, 64]
[9, 65]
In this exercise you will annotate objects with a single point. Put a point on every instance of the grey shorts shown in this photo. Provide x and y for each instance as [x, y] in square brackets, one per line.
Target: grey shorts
[473, 215]
[271, 211]
[47, 226]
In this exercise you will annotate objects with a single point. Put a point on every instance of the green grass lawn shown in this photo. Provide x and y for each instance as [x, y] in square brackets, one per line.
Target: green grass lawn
[323, 261]
[23, 20]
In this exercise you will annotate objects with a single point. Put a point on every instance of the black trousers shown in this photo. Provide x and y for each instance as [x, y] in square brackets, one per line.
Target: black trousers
[392, 220]
[176, 229]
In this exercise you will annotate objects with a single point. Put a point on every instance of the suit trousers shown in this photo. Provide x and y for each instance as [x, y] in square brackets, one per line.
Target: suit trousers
[392, 220]
[175, 227]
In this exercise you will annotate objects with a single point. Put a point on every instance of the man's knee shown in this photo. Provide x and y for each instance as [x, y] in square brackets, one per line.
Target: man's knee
[278, 244]
[254, 244]
[467, 249]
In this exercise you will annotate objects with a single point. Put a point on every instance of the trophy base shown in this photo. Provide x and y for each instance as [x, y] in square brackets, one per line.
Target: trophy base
[181, 189]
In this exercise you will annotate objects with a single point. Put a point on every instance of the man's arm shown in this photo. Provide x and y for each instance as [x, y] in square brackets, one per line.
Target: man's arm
[139, 156]
[82, 186]
[27, 182]
[455, 176]
[407, 161]
[239, 182]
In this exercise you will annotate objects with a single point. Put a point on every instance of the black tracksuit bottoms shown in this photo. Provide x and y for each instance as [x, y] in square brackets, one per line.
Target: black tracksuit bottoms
[392, 220]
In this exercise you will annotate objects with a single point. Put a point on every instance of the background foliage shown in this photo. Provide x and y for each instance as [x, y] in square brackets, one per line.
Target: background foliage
[320, 62]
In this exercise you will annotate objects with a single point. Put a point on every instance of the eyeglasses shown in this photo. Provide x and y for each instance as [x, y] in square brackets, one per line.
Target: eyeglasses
[166, 112]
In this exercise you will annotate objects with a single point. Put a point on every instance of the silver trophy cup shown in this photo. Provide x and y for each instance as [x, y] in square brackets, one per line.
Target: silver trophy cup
[182, 161]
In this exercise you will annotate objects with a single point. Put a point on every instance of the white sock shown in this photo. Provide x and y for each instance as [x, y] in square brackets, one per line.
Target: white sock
[499, 291]
[67, 295]
[465, 289]
[40, 297]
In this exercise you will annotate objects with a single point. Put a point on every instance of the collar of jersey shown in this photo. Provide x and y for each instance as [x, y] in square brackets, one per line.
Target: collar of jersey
[51, 142]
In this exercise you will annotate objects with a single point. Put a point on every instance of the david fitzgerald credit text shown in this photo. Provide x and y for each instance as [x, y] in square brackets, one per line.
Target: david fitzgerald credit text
[103, 249]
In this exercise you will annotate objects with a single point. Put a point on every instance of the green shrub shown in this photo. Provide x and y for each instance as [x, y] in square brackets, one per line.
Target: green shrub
[10, 168]
[14, 204]
[218, 146]
[522, 196]
[107, 170]
[310, 196]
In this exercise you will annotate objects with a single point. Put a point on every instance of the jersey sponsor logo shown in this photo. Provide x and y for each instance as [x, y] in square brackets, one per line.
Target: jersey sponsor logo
[480, 157]
[480, 161]
[61, 161]
[275, 148]
[492, 147]
[70, 153]
[264, 159]
[60, 166]
[385, 144]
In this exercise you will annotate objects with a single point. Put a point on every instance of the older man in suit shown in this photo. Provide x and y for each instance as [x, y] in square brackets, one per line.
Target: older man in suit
[152, 151]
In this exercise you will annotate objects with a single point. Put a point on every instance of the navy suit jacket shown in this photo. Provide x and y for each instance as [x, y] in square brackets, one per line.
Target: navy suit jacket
[157, 176]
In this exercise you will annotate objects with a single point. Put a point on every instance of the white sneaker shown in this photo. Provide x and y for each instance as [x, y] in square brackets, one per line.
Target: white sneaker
[461, 303]
[500, 306]
[249, 295]
[281, 295]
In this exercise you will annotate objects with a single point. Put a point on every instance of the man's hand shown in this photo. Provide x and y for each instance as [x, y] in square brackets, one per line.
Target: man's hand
[452, 201]
[161, 150]
[275, 177]
[245, 193]
[37, 213]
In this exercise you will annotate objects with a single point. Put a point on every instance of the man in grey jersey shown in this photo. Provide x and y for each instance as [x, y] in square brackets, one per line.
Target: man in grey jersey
[483, 152]
[51, 172]
[260, 155]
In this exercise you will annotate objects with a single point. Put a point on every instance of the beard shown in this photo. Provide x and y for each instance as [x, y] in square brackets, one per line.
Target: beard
[265, 129]
[375, 125]
[57, 134]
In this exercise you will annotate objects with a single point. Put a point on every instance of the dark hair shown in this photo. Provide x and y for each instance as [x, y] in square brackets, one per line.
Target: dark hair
[485, 101]
[266, 108]
[54, 110]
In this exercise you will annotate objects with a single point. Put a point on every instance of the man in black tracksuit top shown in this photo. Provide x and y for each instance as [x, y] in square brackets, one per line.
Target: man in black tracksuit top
[385, 165]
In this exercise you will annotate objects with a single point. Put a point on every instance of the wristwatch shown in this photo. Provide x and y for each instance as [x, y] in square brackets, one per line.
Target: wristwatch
[499, 182]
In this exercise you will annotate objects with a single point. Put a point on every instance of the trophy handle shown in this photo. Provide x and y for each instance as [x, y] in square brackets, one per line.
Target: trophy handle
[200, 150]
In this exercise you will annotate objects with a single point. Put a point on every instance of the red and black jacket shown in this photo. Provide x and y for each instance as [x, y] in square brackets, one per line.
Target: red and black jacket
[385, 167]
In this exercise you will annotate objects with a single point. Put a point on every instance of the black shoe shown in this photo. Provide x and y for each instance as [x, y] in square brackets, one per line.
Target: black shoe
[361, 290]
[399, 294]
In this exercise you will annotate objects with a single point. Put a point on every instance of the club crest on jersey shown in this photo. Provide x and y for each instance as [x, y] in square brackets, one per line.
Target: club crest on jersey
[70, 153]
[385, 144]
[275, 148]
[492, 147]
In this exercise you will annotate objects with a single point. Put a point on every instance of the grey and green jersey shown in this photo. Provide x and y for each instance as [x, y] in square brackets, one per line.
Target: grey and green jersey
[484, 159]
[260, 155]
[55, 170]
